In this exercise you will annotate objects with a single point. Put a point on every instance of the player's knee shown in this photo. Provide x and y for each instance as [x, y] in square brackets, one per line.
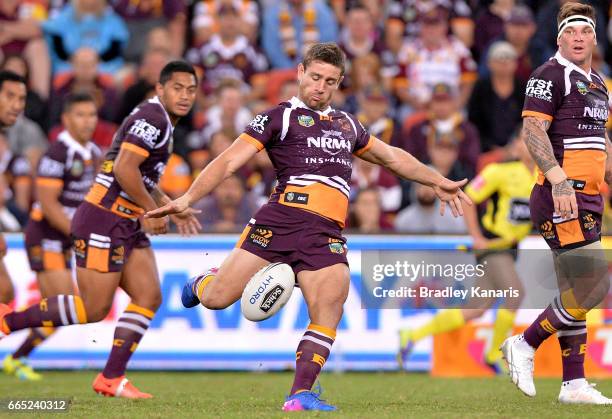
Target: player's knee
[96, 311]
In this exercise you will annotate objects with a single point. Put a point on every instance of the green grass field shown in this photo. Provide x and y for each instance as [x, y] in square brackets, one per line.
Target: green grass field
[367, 395]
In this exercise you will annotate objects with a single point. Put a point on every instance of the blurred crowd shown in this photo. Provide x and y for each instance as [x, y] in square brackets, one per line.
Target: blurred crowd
[442, 79]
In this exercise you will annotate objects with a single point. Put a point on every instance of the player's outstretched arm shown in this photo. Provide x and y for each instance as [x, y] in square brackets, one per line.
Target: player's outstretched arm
[608, 160]
[186, 221]
[226, 164]
[539, 146]
[404, 165]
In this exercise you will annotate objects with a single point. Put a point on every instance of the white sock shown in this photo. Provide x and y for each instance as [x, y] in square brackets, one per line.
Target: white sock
[574, 384]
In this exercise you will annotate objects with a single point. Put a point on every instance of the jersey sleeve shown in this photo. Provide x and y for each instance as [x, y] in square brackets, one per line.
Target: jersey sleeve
[364, 140]
[544, 93]
[51, 168]
[144, 132]
[264, 128]
[485, 184]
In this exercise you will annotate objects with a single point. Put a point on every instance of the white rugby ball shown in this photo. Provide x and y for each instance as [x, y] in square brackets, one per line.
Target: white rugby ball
[267, 291]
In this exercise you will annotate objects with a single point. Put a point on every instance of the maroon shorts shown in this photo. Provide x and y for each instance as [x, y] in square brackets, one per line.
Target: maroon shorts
[566, 234]
[103, 241]
[303, 240]
[48, 249]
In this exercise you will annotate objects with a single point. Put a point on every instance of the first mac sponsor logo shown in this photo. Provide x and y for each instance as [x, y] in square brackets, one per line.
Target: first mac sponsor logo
[539, 89]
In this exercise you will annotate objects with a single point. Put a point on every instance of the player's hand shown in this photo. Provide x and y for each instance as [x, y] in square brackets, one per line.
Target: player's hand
[3, 246]
[450, 193]
[564, 199]
[155, 225]
[179, 205]
[186, 222]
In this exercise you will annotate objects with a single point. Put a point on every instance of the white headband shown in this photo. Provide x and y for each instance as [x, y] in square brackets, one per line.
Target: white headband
[575, 20]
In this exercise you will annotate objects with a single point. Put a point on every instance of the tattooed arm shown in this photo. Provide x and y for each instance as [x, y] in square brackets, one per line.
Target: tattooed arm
[608, 160]
[540, 148]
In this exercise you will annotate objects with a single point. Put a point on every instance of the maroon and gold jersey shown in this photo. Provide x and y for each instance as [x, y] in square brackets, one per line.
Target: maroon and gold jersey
[576, 104]
[312, 154]
[147, 131]
[71, 166]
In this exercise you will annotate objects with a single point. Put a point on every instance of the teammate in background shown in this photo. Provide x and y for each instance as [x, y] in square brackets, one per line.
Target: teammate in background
[311, 147]
[495, 237]
[110, 244]
[65, 174]
[564, 117]
[12, 103]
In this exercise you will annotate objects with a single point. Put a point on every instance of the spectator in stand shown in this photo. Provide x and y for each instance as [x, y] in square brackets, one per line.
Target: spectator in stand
[228, 55]
[360, 38]
[403, 18]
[545, 39]
[365, 73]
[367, 175]
[20, 35]
[229, 114]
[490, 24]
[445, 125]
[518, 31]
[366, 215]
[375, 114]
[148, 75]
[86, 23]
[290, 27]
[432, 58]
[205, 21]
[36, 107]
[227, 209]
[85, 78]
[17, 176]
[423, 215]
[497, 100]
[141, 16]
[376, 8]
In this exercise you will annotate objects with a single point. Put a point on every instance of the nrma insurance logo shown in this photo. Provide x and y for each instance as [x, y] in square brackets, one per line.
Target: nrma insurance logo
[331, 142]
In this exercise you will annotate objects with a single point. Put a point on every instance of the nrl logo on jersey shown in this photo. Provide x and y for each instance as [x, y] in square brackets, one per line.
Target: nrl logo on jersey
[305, 120]
[582, 89]
[539, 89]
[331, 142]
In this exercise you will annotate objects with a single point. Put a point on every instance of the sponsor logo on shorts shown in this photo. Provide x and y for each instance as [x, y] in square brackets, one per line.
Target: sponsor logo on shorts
[577, 184]
[337, 248]
[79, 248]
[261, 236]
[582, 89]
[305, 120]
[588, 222]
[539, 89]
[296, 198]
[118, 255]
[547, 230]
[271, 297]
[35, 253]
[259, 123]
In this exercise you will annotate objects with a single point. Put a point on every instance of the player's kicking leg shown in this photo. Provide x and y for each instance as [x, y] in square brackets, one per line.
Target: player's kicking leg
[139, 280]
[325, 291]
[51, 283]
[219, 288]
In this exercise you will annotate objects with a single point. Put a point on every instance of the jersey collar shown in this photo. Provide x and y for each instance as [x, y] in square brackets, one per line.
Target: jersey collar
[567, 63]
[70, 142]
[155, 99]
[297, 103]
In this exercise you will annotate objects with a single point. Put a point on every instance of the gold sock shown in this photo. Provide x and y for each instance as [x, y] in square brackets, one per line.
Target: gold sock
[444, 321]
[504, 320]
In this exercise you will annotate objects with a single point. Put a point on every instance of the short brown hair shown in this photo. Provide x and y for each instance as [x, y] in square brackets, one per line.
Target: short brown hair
[327, 52]
[573, 8]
